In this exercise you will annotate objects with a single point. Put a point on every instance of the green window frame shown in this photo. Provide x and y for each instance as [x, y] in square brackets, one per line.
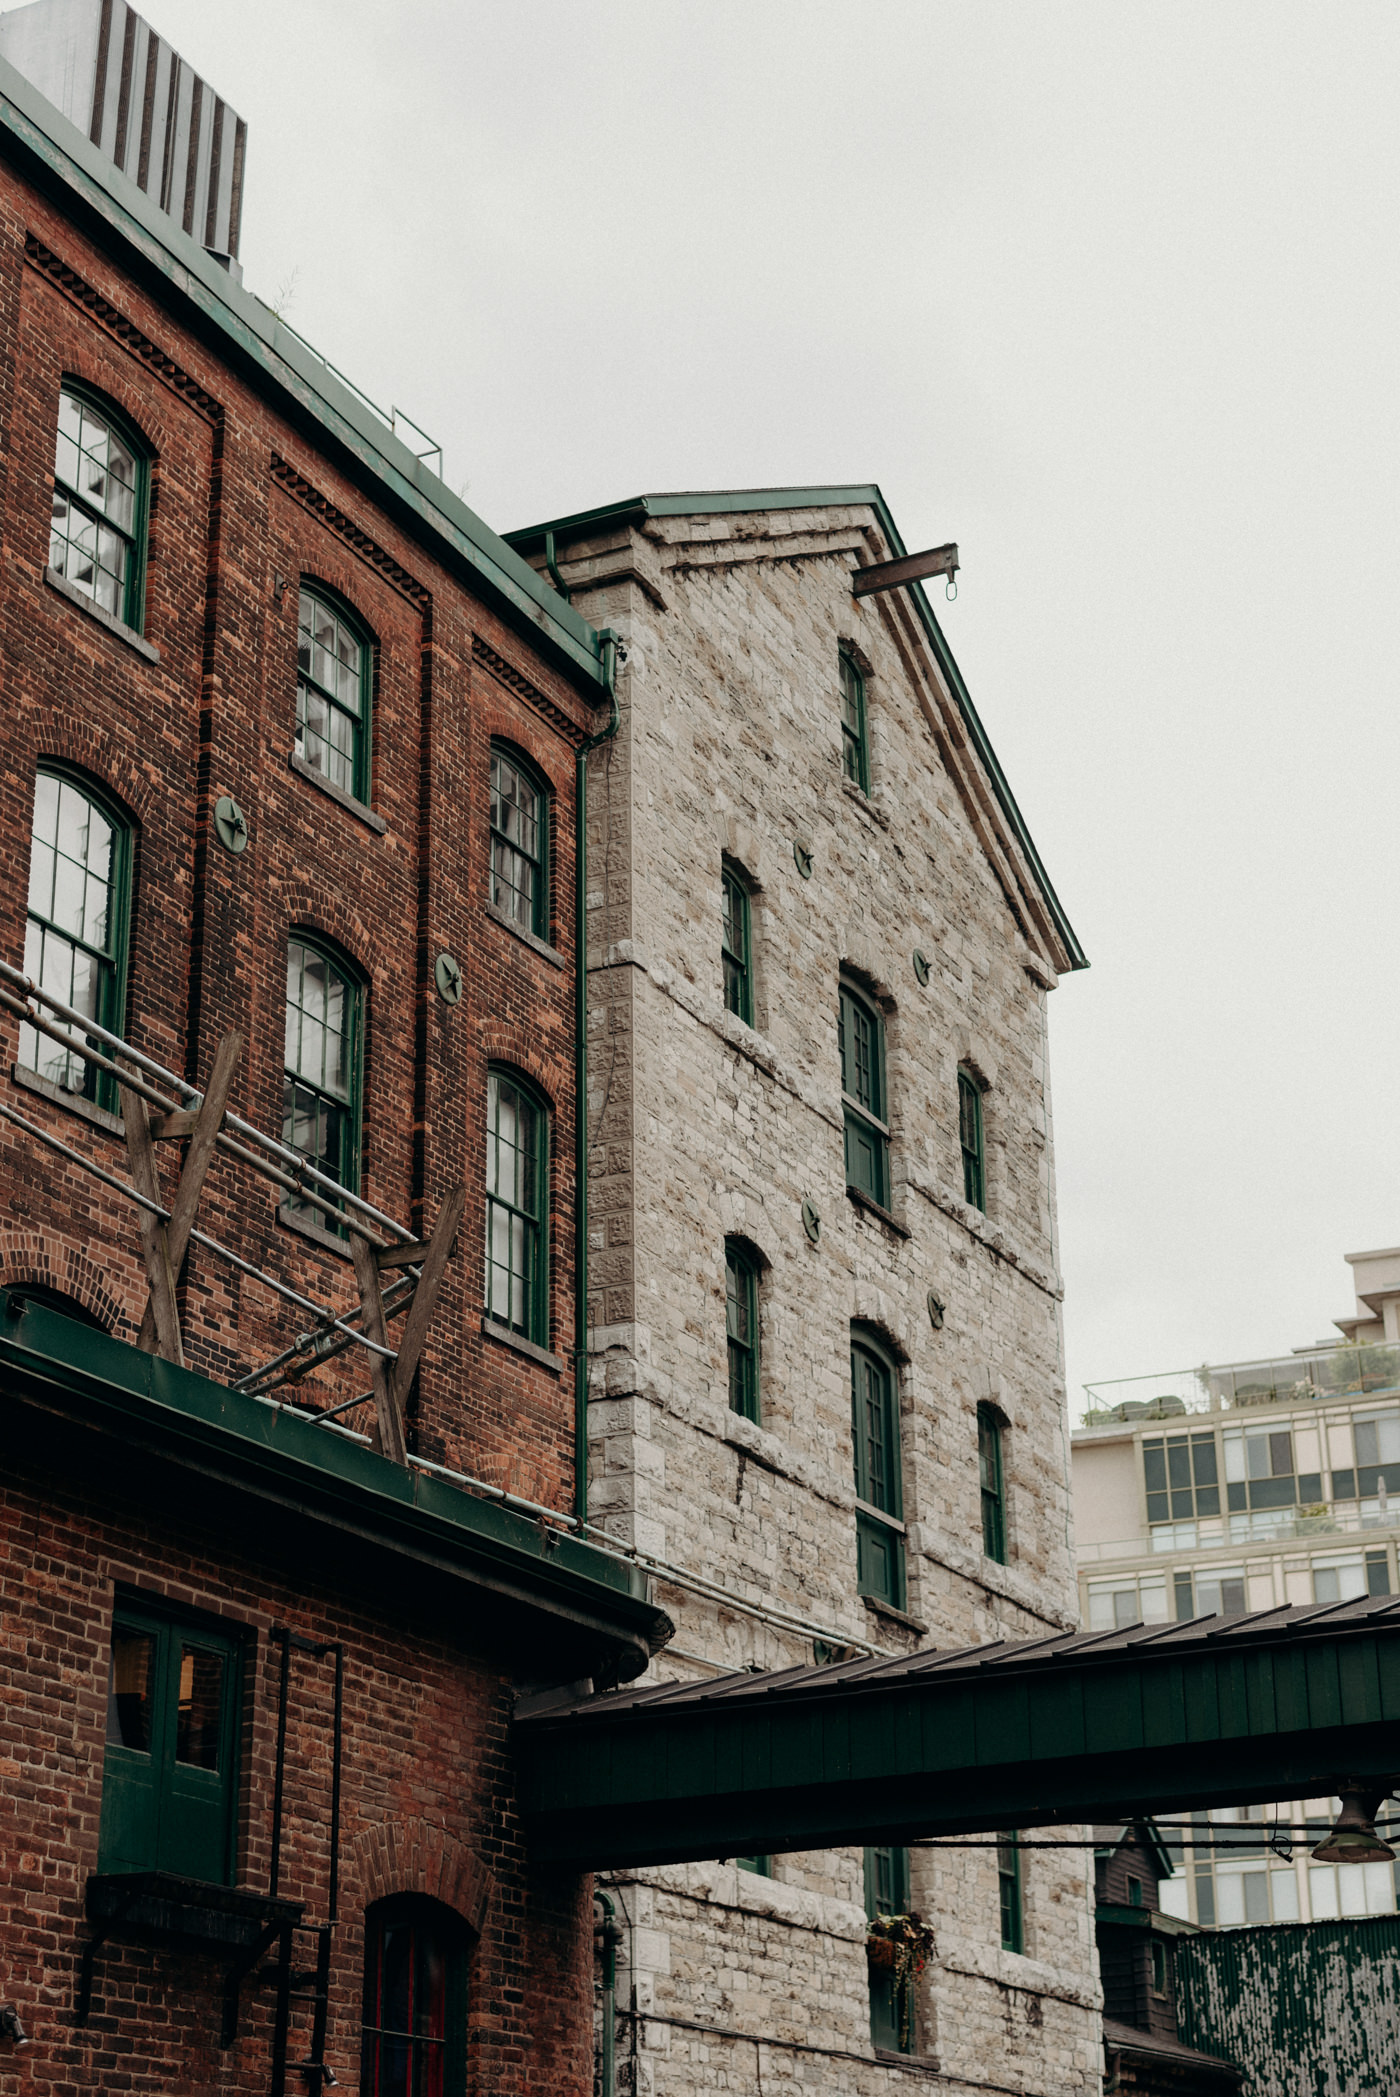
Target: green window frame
[78, 923]
[991, 1479]
[972, 1141]
[519, 884]
[879, 1485]
[761, 1866]
[855, 746]
[101, 504]
[174, 1719]
[323, 1067]
[414, 2041]
[887, 1892]
[335, 661]
[741, 1271]
[736, 942]
[517, 1206]
[1011, 1892]
[861, 1037]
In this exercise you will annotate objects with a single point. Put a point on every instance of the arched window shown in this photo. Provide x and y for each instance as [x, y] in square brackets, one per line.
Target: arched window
[517, 1207]
[974, 1162]
[741, 1316]
[989, 1469]
[862, 1039]
[97, 538]
[855, 749]
[323, 1066]
[333, 694]
[75, 939]
[878, 1469]
[415, 2016]
[519, 843]
[736, 938]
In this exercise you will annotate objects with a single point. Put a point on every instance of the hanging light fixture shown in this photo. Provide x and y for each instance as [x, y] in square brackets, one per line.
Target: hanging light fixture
[1353, 1839]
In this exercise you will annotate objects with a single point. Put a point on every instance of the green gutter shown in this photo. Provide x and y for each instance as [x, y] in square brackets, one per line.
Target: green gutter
[744, 501]
[239, 326]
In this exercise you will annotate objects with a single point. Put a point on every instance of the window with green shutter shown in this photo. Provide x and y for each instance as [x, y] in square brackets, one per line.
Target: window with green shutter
[861, 1036]
[741, 1318]
[334, 659]
[323, 1059]
[879, 1486]
[735, 942]
[101, 485]
[1011, 1892]
[170, 1777]
[517, 1182]
[887, 1893]
[970, 1136]
[989, 1469]
[855, 749]
[75, 937]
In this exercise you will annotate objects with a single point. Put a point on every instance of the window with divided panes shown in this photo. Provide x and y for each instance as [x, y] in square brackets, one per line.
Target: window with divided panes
[75, 936]
[989, 1471]
[887, 1893]
[1011, 1892]
[741, 1270]
[861, 1035]
[323, 1065]
[415, 2010]
[970, 1138]
[517, 1182]
[170, 1774]
[333, 694]
[855, 748]
[735, 942]
[878, 1480]
[519, 843]
[97, 535]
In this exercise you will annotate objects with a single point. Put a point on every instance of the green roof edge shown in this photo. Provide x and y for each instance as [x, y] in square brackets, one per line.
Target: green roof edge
[56, 149]
[737, 501]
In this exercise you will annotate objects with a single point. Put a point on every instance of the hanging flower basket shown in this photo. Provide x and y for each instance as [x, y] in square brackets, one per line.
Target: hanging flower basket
[901, 1945]
[880, 1951]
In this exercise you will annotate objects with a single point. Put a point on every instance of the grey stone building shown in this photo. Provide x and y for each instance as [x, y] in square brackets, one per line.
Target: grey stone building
[826, 1380]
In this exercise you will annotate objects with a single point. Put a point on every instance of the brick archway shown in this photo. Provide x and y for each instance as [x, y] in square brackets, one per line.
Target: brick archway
[399, 1858]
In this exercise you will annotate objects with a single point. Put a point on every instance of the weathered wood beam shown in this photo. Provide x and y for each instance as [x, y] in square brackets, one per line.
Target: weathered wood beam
[910, 567]
[392, 1380]
[160, 1327]
[388, 1414]
[197, 1162]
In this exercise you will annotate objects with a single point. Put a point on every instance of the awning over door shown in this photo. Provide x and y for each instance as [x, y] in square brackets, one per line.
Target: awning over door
[1076, 1727]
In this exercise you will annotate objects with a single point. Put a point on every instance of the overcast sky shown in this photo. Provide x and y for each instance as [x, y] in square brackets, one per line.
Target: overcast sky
[1105, 292]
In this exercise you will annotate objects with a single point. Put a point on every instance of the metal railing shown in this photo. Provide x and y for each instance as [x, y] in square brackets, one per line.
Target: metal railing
[1315, 1376]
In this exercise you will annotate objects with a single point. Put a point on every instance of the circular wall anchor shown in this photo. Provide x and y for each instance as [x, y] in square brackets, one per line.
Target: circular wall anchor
[447, 974]
[803, 859]
[921, 965]
[936, 1312]
[811, 1221]
[230, 825]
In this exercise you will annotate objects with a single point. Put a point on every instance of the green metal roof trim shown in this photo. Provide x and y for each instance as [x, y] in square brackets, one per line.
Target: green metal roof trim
[1074, 1727]
[739, 502]
[57, 154]
[144, 1402]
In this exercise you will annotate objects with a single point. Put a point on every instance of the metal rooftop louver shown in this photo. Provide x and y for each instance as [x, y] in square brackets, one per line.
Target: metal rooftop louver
[141, 105]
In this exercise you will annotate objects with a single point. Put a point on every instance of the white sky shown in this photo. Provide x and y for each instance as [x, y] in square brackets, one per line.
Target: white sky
[1106, 292]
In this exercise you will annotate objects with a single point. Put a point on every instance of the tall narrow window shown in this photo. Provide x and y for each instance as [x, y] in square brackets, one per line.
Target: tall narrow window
[970, 1136]
[517, 1178]
[879, 1487]
[322, 1070]
[1011, 1893]
[862, 1041]
[738, 966]
[855, 751]
[415, 2001]
[887, 1893]
[97, 538]
[989, 1470]
[76, 933]
[170, 1776]
[519, 839]
[333, 694]
[741, 1316]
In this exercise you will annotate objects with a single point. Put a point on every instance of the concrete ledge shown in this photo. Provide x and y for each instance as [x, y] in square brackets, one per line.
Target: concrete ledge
[117, 627]
[358, 809]
[72, 1102]
[528, 939]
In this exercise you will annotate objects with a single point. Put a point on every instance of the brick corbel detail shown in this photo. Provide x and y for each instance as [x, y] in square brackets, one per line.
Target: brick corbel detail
[360, 542]
[120, 328]
[410, 1858]
[505, 673]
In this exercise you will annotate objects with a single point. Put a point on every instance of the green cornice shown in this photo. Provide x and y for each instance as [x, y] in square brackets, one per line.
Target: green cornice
[738, 502]
[53, 153]
[74, 1395]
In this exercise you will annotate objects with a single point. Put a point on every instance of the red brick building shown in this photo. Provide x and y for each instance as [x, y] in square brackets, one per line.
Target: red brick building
[289, 761]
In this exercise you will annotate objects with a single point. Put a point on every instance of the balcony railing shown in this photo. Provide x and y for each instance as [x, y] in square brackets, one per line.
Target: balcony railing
[1234, 1532]
[1319, 1376]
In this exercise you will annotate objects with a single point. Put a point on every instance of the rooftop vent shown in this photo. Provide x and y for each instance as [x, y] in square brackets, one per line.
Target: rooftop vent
[141, 105]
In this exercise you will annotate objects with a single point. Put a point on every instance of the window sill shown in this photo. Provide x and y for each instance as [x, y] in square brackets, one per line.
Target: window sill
[348, 802]
[529, 939]
[507, 1338]
[927, 2061]
[864, 1201]
[317, 1232]
[878, 1514]
[114, 625]
[74, 1102]
[895, 1616]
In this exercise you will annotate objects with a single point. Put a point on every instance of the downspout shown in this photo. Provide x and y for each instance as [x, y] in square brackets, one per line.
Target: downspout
[609, 641]
[553, 566]
[611, 1934]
